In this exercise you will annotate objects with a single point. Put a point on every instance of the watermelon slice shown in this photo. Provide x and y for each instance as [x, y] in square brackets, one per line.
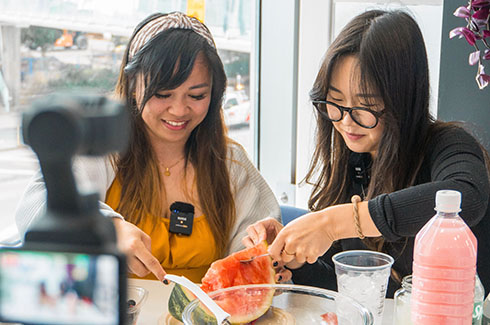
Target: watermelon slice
[243, 305]
[229, 272]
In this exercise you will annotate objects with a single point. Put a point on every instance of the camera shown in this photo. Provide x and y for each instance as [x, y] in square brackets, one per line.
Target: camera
[69, 270]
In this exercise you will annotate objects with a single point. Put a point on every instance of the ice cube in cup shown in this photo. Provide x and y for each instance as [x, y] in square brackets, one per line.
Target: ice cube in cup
[363, 275]
[136, 299]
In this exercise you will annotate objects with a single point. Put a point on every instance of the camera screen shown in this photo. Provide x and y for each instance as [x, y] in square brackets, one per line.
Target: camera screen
[58, 287]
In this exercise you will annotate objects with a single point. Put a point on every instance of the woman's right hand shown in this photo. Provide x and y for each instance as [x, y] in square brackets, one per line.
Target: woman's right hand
[136, 244]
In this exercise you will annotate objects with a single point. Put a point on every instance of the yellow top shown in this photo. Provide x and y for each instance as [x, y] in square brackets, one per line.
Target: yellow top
[189, 256]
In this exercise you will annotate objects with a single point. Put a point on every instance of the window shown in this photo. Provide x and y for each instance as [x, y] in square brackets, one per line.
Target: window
[77, 45]
[293, 42]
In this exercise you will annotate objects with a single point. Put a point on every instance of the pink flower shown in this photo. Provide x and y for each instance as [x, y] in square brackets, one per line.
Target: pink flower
[486, 56]
[480, 3]
[481, 14]
[474, 58]
[463, 31]
[477, 34]
[462, 12]
[482, 79]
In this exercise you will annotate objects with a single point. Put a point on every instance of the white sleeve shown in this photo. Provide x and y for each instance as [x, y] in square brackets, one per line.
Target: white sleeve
[254, 199]
[90, 174]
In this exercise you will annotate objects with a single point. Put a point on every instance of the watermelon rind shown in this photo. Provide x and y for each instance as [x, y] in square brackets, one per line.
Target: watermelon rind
[180, 297]
[239, 296]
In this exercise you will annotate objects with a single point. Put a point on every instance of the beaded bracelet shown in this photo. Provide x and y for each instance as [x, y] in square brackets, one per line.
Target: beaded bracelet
[356, 199]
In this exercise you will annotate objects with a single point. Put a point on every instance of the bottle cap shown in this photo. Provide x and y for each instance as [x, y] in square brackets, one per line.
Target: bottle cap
[448, 201]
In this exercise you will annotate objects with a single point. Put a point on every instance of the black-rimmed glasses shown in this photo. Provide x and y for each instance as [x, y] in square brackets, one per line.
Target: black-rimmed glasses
[363, 116]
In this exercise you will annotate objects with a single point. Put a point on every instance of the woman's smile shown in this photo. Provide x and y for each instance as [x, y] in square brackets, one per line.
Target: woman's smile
[175, 125]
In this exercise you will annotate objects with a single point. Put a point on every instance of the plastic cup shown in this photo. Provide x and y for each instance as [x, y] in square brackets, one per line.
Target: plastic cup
[363, 275]
[136, 299]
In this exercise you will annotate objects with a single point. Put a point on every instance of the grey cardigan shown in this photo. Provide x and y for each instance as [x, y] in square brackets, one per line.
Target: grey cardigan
[254, 199]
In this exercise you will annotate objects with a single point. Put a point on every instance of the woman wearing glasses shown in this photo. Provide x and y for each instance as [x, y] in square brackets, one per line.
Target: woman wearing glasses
[379, 151]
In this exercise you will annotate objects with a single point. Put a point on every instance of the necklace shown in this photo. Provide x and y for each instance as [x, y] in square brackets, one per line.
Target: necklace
[167, 169]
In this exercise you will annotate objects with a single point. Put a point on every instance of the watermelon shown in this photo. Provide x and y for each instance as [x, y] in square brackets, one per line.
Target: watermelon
[329, 318]
[244, 305]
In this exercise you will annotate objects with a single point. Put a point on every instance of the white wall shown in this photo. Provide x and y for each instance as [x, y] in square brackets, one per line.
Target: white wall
[317, 22]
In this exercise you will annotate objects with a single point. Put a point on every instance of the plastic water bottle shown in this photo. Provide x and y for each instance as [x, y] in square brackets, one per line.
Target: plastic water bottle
[478, 302]
[444, 266]
[486, 311]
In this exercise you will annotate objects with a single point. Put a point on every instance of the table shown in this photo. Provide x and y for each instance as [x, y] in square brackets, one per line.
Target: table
[158, 295]
[157, 301]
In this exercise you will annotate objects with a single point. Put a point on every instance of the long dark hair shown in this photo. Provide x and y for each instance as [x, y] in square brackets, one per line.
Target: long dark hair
[392, 61]
[165, 62]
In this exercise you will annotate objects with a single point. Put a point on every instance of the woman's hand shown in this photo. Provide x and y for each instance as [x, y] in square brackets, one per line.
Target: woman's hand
[136, 244]
[265, 229]
[304, 239]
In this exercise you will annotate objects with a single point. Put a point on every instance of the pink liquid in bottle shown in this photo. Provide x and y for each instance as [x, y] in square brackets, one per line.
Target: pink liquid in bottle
[444, 266]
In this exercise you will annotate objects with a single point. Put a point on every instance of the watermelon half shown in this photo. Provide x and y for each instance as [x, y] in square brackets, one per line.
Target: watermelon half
[243, 305]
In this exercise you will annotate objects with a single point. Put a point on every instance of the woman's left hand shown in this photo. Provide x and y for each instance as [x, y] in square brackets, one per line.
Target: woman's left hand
[265, 229]
[303, 239]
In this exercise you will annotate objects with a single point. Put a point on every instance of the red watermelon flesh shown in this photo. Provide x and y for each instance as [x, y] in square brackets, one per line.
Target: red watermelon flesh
[229, 271]
[330, 318]
[244, 305]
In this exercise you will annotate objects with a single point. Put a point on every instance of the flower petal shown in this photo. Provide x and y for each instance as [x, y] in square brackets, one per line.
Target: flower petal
[481, 14]
[463, 31]
[480, 3]
[486, 56]
[482, 80]
[476, 24]
[474, 58]
[462, 12]
[486, 33]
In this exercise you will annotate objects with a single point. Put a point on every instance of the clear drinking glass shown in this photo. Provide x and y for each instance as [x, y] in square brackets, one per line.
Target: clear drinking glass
[136, 299]
[363, 275]
[401, 315]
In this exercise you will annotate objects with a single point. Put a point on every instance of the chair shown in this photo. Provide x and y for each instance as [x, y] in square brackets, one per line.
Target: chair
[290, 213]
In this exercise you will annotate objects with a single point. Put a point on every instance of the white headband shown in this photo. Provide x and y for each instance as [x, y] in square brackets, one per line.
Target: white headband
[172, 20]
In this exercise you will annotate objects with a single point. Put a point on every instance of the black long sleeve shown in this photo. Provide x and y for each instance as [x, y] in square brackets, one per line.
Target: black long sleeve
[454, 161]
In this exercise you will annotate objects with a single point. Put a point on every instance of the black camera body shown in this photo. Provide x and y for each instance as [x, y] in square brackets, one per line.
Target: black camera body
[69, 263]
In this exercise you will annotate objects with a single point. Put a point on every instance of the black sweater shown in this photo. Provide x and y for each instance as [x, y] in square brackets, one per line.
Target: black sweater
[453, 161]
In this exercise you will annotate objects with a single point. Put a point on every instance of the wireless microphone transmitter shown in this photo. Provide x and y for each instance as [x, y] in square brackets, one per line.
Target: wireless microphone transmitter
[181, 218]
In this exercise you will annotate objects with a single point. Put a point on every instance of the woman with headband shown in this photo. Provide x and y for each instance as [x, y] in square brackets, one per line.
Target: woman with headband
[179, 158]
